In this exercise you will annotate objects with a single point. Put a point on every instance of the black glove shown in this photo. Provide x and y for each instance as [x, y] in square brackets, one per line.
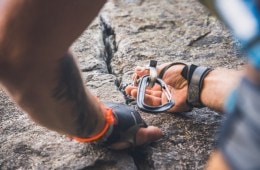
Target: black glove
[127, 122]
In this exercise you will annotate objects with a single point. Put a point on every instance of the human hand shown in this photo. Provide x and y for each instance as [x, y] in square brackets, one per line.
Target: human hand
[129, 129]
[176, 84]
[143, 136]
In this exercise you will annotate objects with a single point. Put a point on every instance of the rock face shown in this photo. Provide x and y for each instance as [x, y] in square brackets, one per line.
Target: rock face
[126, 34]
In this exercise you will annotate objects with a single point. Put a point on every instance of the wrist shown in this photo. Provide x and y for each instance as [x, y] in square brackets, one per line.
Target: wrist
[101, 114]
[217, 86]
[105, 122]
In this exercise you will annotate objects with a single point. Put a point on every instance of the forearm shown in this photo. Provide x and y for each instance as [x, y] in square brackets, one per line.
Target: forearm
[31, 29]
[54, 96]
[34, 66]
[217, 86]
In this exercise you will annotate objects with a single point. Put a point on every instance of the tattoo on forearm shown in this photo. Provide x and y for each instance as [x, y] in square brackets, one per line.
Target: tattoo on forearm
[70, 89]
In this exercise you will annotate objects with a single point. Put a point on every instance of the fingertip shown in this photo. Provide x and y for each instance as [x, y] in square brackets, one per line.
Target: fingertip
[149, 134]
[134, 93]
[138, 68]
[141, 71]
[128, 89]
[131, 90]
[156, 131]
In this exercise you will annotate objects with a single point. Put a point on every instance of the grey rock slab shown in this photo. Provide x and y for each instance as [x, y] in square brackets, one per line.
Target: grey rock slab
[129, 33]
[88, 49]
[26, 145]
[170, 31]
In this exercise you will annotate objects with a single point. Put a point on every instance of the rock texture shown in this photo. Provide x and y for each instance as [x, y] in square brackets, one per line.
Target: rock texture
[128, 33]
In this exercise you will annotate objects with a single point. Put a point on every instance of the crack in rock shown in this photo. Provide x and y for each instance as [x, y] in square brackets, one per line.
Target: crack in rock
[141, 159]
[110, 48]
[101, 164]
[109, 42]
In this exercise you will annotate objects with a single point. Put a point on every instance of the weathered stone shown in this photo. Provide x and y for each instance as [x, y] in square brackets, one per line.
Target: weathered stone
[126, 34]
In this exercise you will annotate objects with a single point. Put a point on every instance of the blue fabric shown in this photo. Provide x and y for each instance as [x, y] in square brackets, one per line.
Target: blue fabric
[253, 54]
[230, 102]
[249, 37]
[252, 50]
[240, 136]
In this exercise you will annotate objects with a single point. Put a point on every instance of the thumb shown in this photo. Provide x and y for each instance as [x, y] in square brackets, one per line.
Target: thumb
[149, 134]
[143, 136]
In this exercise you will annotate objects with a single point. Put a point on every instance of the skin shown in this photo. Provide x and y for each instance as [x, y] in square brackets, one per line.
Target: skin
[217, 162]
[39, 73]
[214, 92]
[36, 68]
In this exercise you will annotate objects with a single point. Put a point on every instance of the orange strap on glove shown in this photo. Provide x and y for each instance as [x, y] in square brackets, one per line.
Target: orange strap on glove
[110, 119]
[124, 122]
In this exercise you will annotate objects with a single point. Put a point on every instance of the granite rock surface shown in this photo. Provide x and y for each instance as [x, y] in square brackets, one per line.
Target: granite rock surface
[128, 33]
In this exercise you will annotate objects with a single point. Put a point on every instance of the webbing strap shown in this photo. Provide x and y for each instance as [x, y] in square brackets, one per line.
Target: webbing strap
[195, 86]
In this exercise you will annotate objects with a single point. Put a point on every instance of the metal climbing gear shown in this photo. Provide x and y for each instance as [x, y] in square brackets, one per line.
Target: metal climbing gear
[149, 81]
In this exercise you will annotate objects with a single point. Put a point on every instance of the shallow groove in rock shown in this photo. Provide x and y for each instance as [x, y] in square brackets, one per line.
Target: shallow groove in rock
[198, 38]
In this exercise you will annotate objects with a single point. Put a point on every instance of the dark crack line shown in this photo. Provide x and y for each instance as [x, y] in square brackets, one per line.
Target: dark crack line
[140, 157]
[110, 48]
[109, 42]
